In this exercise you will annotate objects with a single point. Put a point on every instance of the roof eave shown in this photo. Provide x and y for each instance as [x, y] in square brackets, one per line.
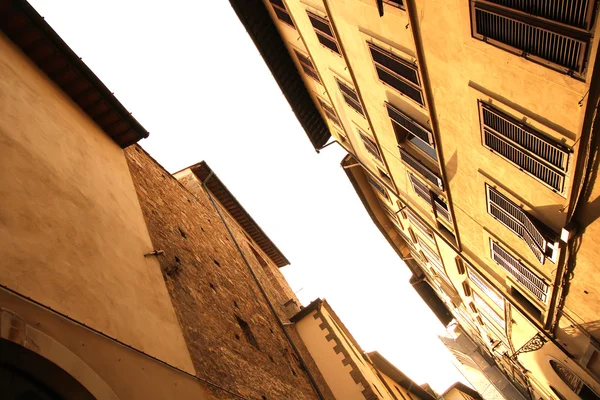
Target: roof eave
[262, 30]
[28, 30]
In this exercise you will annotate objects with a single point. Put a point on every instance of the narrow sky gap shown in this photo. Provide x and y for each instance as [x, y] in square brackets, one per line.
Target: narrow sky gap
[192, 76]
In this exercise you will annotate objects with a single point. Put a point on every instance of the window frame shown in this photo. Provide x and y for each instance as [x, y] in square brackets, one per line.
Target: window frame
[310, 67]
[534, 22]
[537, 138]
[531, 230]
[379, 188]
[395, 3]
[283, 10]
[370, 145]
[497, 321]
[519, 273]
[417, 86]
[421, 169]
[481, 283]
[320, 33]
[393, 216]
[330, 112]
[350, 96]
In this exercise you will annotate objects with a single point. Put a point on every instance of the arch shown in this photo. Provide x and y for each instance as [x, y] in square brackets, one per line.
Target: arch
[45, 363]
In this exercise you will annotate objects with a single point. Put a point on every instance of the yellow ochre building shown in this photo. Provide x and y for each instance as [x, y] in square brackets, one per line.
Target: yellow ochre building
[472, 137]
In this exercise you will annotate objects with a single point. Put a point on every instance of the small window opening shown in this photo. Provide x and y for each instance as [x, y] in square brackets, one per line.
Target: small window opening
[460, 265]
[384, 175]
[247, 332]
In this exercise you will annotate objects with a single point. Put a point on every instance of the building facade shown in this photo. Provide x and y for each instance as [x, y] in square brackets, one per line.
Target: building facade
[119, 280]
[477, 365]
[351, 373]
[472, 136]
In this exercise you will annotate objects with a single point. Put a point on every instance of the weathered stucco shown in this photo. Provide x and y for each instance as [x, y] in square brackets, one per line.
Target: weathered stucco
[71, 229]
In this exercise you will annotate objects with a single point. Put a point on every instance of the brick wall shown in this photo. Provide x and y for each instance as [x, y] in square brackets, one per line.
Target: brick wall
[233, 338]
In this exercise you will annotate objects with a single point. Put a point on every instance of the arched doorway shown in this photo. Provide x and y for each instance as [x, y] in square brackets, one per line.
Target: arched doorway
[25, 375]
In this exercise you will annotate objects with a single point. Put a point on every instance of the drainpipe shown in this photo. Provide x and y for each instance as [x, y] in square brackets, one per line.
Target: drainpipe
[262, 291]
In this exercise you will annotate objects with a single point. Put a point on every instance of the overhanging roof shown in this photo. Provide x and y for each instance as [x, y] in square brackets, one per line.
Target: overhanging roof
[37, 40]
[389, 369]
[347, 161]
[431, 298]
[261, 28]
[202, 171]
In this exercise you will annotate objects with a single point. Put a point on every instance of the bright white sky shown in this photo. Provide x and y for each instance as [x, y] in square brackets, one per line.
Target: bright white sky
[192, 76]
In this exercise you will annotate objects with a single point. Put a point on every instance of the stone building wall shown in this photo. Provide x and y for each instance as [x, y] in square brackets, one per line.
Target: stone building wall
[233, 338]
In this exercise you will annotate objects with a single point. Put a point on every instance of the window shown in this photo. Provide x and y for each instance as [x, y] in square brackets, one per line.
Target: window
[307, 66]
[421, 169]
[384, 175]
[247, 332]
[575, 383]
[413, 236]
[533, 232]
[398, 73]
[409, 243]
[432, 256]
[460, 265]
[439, 204]
[533, 283]
[259, 258]
[420, 188]
[524, 147]
[395, 3]
[557, 394]
[553, 32]
[525, 303]
[378, 187]
[488, 312]
[441, 209]
[282, 12]
[416, 222]
[473, 308]
[329, 112]
[485, 287]
[467, 289]
[351, 97]
[408, 130]
[324, 32]
[393, 216]
[370, 145]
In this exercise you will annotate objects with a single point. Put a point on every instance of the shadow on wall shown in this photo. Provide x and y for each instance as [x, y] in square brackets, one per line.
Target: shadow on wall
[591, 210]
[576, 337]
[451, 167]
[592, 328]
